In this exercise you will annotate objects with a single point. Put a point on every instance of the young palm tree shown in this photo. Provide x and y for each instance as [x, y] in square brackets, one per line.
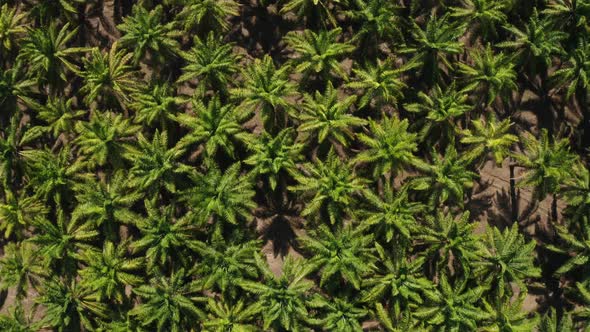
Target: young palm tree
[20, 268]
[106, 204]
[58, 244]
[489, 137]
[58, 115]
[11, 28]
[109, 76]
[283, 300]
[227, 316]
[398, 280]
[109, 271]
[441, 110]
[506, 259]
[69, 306]
[273, 157]
[212, 62]
[332, 186]
[104, 139]
[48, 55]
[454, 308]
[144, 34]
[222, 265]
[156, 105]
[381, 83]
[168, 303]
[268, 89]
[215, 125]
[155, 166]
[548, 166]
[225, 197]
[318, 53]
[164, 237]
[433, 44]
[339, 314]
[342, 255]
[390, 149]
[326, 116]
[450, 242]
[446, 179]
[491, 75]
[483, 15]
[392, 217]
[207, 15]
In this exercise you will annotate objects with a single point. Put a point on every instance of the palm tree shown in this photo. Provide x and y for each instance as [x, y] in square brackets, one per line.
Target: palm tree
[440, 110]
[491, 75]
[222, 265]
[509, 316]
[268, 89]
[324, 114]
[164, 237]
[215, 126]
[109, 271]
[342, 255]
[20, 268]
[108, 76]
[576, 245]
[11, 163]
[58, 115]
[169, 303]
[44, 11]
[569, 15]
[450, 242]
[273, 157]
[18, 212]
[397, 323]
[484, 15]
[224, 197]
[506, 259]
[392, 217]
[11, 28]
[154, 165]
[379, 21]
[106, 204]
[18, 320]
[48, 55]
[14, 86]
[104, 139]
[390, 149]
[445, 179]
[69, 306]
[454, 308]
[550, 323]
[144, 34]
[398, 280]
[283, 300]
[536, 44]
[548, 165]
[207, 15]
[225, 316]
[58, 244]
[332, 186]
[381, 83]
[489, 137]
[318, 53]
[433, 44]
[51, 176]
[340, 314]
[156, 105]
[576, 191]
[212, 62]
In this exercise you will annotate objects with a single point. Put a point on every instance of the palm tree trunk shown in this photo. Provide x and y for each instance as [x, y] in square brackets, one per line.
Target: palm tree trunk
[554, 209]
[513, 198]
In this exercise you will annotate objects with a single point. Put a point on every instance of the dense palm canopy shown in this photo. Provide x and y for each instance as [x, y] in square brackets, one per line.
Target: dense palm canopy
[294, 165]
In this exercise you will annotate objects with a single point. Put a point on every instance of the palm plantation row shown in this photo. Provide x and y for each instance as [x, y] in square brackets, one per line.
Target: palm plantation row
[149, 151]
